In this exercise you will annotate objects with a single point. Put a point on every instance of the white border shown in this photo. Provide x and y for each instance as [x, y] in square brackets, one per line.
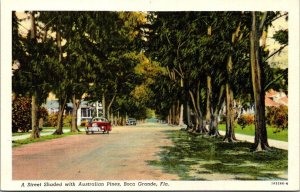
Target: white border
[292, 6]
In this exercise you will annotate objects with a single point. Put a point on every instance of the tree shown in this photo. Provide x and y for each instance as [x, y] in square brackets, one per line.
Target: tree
[261, 142]
[31, 76]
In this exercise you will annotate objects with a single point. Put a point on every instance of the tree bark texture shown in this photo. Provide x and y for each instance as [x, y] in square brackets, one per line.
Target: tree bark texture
[74, 127]
[209, 112]
[34, 120]
[229, 136]
[62, 105]
[109, 107]
[260, 141]
[214, 131]
[103, 106]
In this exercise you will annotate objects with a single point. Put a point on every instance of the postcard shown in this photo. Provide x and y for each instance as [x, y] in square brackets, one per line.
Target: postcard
[149, 95]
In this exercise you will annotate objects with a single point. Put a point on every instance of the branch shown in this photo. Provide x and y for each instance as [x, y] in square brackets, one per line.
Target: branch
[112, 100]
[181, 75]
[274, 53]
[168, 39]
[279, 17]
[262, 22]
[267, 86]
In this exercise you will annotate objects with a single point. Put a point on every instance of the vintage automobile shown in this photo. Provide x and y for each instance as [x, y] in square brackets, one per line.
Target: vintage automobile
[131, 121]
[98, 125]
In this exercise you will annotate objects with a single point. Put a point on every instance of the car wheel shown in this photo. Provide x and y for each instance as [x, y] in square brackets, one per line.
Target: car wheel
[92, 132]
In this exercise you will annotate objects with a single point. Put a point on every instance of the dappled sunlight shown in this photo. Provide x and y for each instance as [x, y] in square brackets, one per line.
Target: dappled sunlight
[200, 158]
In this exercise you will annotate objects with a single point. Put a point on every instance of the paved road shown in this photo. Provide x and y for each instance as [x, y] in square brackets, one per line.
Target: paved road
[122, 155]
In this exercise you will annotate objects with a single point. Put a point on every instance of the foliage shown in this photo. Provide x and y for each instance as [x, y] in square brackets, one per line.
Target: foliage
[52, 120]
[278, 116]
[21, 114]
[67, 120]
[245, 119]
[282, 36]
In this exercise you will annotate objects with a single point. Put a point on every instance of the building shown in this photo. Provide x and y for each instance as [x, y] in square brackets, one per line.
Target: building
[86, 110]
[275, 99]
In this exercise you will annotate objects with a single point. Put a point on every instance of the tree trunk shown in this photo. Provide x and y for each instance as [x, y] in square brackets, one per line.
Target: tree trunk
[187, 112]
[261, 139]
[209, 112]
[200, 128]
[214, 131]
[62, 105]
[74, 127]
[34, 120]
[229, 136]
[109, 106]
[103, 106]
[181, 106]
[198, 115]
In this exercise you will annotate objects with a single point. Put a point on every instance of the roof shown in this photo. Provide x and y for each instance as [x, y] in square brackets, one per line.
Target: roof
[270, 103]
[271, 93]
[283, 101]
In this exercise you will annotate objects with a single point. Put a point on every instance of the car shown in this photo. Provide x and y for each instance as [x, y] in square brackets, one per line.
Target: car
[131, 121]
[98, 125]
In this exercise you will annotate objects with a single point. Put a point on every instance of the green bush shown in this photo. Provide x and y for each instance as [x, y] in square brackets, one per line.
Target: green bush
[245, 119]
[67, 120]
[52, 120]
[21, 114]
[277, 116]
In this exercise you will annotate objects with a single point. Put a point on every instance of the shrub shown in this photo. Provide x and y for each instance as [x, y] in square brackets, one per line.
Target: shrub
[67, 120]
[51, 120]
[277, 116]
[42, 113]
[21, 114]
[245, 119]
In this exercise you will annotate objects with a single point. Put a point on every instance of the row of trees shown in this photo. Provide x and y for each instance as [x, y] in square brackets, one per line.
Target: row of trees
[76, 55]
[212, 58]
[185, 65]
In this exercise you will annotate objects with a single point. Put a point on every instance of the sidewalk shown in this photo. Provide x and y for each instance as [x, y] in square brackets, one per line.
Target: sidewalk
[273, 143]
[43, 133]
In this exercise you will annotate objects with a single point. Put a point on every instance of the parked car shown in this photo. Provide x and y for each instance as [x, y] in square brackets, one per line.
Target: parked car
[131, 121]
[98, 124]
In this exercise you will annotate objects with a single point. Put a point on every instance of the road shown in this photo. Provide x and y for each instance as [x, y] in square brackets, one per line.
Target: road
[120, 155]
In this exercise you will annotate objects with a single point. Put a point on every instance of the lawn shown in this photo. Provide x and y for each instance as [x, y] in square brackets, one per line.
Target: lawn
[44, 130]
[206, 158]
[17, 143]
[273, 133]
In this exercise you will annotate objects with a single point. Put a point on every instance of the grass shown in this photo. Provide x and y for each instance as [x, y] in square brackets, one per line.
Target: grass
[273, 133]
[42, 138]
[44, 130]
[205, 158]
